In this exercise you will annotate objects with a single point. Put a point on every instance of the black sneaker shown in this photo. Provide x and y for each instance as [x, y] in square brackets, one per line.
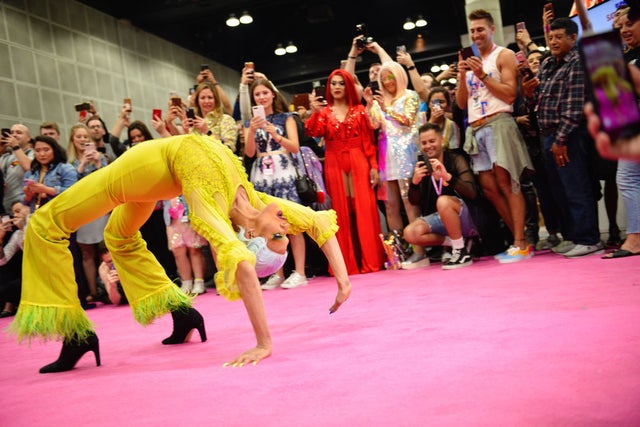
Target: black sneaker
[459, 258]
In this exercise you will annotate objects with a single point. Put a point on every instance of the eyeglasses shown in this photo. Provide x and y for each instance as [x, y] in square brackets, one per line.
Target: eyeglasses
[95, 127]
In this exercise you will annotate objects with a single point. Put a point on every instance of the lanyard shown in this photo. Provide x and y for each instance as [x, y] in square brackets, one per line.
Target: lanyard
[438, 187]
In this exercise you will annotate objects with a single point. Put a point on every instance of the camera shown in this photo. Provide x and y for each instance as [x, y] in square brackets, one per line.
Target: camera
[363, 42]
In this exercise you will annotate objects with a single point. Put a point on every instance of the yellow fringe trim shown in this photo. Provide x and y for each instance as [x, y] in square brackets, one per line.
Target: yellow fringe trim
[157, 304]
[50, 322]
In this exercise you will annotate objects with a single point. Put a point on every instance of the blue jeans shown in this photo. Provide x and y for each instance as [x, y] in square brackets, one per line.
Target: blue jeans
[572, 189]
[628, 180]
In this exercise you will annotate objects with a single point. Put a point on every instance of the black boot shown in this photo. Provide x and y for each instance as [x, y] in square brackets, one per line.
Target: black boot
[184, 322]
[72, 351]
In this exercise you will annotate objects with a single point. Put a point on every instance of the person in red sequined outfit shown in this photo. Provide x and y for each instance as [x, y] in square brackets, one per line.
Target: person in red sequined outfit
[350, 169]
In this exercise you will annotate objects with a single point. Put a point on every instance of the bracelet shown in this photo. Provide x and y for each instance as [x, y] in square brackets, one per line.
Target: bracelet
[413, 67]
[352, 57]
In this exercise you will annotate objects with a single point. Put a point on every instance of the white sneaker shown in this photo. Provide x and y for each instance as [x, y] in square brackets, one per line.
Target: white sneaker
[416, 261]
[273, 282]
[198, 287]
[186, 287]
[582, 250]
[294, 281]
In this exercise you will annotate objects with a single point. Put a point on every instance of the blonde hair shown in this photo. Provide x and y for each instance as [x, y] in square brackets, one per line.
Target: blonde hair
[400, 75]
[72, 154]
[217, 109]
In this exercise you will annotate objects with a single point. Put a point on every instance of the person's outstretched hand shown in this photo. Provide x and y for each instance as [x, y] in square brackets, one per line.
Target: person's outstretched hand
[343, 295]
[253, 356]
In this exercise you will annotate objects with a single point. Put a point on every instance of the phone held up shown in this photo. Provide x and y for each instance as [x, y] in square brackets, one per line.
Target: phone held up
[375, 87]
[423, 159]
[6, 132]
[612, 90]
[157, 114]
[191, 114]
[520, 26]
[523, 65]
[468, 52]
[258, 111]
[320, 91]
[85, 106]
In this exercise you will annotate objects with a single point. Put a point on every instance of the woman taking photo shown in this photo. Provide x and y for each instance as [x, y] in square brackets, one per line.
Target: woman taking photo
[84, 157]
[439, 101]
[393, 109]
[350, 170]
[210, 118]
[50, 174]
[272, 139]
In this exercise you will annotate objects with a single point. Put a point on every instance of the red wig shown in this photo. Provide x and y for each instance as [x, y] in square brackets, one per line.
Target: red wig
[349, 85]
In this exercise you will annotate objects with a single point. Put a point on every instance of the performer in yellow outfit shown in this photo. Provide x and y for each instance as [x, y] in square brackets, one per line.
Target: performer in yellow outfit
[221, 201]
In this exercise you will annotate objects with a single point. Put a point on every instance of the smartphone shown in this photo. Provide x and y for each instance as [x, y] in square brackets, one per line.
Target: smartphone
[191, 114]
[204, 67]
[5, 219]
[610, 84]
[258, 111]
[249, 65]
[374, 86]
[176, 101]
[28, 182]
[523, 65]
[548, 6]
[321, 91]
[436, 104]
[157, 114]
[127, 102]
[90, 147]
[85, 106]
[423, 158]
[301, 100]
[520, 26]
[467, 52]
[401, 49]
[6, 132]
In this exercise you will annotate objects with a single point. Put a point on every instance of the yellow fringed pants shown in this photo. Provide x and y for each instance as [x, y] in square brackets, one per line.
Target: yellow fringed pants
[49, 306]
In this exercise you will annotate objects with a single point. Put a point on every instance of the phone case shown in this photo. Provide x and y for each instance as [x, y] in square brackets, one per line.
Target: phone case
[258, 111]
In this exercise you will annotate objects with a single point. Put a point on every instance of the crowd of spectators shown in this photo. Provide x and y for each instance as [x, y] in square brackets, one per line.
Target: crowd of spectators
[451, 172]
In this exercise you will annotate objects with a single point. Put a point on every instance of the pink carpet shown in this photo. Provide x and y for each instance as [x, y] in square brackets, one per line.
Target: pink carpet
[545, 342]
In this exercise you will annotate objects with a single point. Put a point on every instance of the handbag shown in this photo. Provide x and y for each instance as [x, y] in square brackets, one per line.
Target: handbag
[306, 187]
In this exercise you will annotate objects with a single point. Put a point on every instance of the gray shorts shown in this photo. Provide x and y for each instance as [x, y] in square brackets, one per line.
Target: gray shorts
[437, 227]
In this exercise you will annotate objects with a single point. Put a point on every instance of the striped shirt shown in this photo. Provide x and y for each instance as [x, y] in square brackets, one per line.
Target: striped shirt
[561, 96]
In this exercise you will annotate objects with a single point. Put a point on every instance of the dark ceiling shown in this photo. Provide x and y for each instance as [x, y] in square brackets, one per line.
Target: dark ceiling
[321, 29]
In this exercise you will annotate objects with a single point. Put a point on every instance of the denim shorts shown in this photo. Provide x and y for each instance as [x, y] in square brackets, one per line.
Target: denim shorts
[466, 223]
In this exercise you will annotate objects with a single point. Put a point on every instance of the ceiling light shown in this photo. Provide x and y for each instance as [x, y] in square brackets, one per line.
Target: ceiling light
[291, 48]
[444, 67]
[280, 50]
[408, 24]
[435, 68]
[421, 22]
[246, 18]
[232, 21]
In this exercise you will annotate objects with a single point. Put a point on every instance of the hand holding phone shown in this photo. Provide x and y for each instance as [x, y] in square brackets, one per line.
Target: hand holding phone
[401, 49]
[467, 52]
[191, 114]
[422, 158]
[127, 104]
[612, 90]
[320, 91]
[375, 87]
[258, 111]
[520, 26]
[6, 132]
[28, 182]
[89, 147]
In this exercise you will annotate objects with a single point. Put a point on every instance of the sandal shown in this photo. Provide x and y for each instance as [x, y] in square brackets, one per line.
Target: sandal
[620, 253]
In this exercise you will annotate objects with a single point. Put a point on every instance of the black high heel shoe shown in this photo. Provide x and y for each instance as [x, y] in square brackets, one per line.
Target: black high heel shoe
[184, 322]
[71, 352]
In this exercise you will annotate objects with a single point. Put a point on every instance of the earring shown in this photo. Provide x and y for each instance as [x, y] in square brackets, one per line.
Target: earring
[251, 234]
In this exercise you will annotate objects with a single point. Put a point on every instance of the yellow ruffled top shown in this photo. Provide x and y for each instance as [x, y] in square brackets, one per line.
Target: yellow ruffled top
[210, 175]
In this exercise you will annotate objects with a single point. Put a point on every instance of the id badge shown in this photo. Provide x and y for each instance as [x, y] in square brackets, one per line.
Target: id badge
[267, 166]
